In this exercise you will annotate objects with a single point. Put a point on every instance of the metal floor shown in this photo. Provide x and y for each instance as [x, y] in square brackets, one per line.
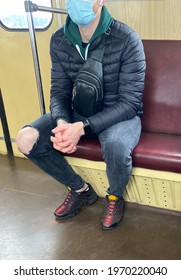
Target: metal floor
[28, 230]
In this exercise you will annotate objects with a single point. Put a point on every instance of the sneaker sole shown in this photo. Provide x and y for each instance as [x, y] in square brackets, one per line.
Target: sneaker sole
[72, 214]
[111, 227]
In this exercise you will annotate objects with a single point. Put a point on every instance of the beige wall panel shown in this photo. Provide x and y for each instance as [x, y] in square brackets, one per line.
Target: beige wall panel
[17, 78]
[152, 19]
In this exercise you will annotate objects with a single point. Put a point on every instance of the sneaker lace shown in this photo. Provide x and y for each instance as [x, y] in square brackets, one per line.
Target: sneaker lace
[111, 207]
[69, 197]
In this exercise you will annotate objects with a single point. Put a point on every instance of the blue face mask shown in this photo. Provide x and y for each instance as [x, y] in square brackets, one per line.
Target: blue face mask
[81, 11]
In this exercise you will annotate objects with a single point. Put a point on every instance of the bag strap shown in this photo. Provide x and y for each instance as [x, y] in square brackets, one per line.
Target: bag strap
[99, 52]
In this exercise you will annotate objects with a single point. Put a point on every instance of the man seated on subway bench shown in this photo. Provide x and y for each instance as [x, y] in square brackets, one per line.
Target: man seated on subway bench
[110, 108]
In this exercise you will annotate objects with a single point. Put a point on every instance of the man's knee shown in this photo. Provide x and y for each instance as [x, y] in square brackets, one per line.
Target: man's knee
[26, 138]
[117, 151]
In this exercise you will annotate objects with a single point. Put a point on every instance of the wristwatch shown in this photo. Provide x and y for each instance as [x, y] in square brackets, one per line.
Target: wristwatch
[87, 127]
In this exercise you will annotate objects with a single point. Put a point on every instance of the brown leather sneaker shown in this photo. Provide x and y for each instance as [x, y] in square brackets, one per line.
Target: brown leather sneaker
[74, 202]
[114, 212]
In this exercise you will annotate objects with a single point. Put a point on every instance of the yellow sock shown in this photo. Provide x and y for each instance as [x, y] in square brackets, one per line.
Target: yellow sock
[113, 197]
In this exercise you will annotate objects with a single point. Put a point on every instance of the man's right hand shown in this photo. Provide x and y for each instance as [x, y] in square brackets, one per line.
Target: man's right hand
[67, 135]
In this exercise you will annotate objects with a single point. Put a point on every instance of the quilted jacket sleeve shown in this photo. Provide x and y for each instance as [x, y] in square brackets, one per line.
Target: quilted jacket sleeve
[61, 88]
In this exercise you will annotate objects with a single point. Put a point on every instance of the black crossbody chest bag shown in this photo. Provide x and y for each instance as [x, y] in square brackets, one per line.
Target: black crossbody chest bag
[88, 87]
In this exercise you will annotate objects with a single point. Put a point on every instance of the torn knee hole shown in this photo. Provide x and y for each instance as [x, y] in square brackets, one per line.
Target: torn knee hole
[26, 139]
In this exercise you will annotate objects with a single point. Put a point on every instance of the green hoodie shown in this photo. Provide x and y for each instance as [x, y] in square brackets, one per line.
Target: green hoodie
[73, 34]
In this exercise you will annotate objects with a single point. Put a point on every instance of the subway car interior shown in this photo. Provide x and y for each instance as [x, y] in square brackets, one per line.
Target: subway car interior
[151, 228]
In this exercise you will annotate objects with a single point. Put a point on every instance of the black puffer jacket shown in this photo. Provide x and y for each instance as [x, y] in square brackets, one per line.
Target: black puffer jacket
[124, 74]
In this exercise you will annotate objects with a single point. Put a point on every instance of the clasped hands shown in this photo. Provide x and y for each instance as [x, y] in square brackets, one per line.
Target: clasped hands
[66, 136]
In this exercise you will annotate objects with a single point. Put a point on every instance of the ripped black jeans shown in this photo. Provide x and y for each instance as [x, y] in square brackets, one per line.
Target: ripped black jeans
[117, 143]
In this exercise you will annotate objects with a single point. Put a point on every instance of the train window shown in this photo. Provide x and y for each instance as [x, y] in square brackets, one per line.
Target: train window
[13, 15]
